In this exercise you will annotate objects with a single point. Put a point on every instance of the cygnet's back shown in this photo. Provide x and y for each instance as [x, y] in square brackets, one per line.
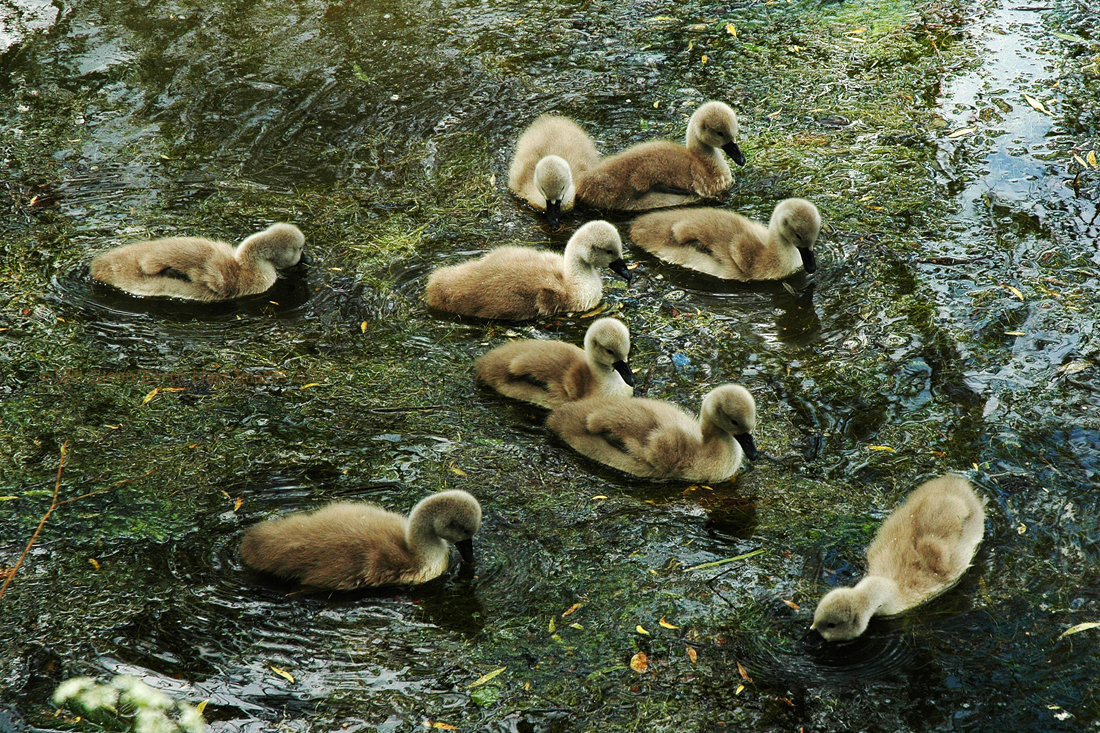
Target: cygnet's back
[927, 543]
[727, 245]
[196, 268]
[347, 545]
[662, 173]
[519, 283]
[549, 155]
[550, 373]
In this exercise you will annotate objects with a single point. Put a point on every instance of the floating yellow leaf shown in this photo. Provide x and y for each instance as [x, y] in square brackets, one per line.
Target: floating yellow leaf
[1036, 104]
[856, 30]
[226, 494]
[237, 503]
[201, 706]
[485, 678]
[113, 427]
[94, 562]
[363, 327]
[1079, 628]
[1080, 160]
[1014, 291]
[311, 384]
[703, 60]
[1091, 158]
[1015, 333]
[457, 471]
[739, 690]
[657, 18]
[571, 609]
[962, 132]
[666, 624]
[576, 626]
[639, 662]
[792, 604]
[282, 673]
[151, 395]
[439, 725]
[731, 30]
[886, 448]
[1074, 367]
[8, 498]
[640, 630]
[599, 496]
[1021, 529]
[743, 672]
[552, 627]
[595, 311]
[657, 104]
[692, 654]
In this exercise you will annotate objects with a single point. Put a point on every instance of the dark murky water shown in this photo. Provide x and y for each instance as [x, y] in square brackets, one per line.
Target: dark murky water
[957, 338]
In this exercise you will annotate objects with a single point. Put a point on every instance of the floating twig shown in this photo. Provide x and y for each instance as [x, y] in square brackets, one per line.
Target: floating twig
[54, 504]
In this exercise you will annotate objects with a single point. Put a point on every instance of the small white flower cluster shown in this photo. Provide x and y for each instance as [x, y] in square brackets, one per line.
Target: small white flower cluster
[128, 704]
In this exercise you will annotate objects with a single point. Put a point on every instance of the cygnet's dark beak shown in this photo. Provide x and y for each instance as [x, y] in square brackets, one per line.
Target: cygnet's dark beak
[813, 639]
[734, 152]
[809, 262]
[303, 259]
[466, 549]
[624, 371]
[748, 445]
[553, 213]
[619, 267]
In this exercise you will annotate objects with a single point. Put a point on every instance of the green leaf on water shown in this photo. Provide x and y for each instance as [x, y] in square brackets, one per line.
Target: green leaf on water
[485, 696]
[1071, 38]
[1079, 628]
[360, 74]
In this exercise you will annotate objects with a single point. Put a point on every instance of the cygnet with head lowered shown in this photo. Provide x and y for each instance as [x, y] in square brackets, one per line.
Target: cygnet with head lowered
[520, 283]
[195, 268]
[662, 173]
[656, 439]
[550, 373]
[348, 545]
[921, 550]
[727, 245]
[549, 154]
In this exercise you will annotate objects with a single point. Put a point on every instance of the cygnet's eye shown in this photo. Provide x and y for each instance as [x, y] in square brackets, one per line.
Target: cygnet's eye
[831, 625]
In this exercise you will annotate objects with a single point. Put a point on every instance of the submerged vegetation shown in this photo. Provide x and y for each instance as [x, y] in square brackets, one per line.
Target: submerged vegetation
[948, 328]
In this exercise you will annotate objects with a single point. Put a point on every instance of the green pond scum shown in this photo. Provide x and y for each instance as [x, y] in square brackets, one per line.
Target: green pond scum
[950, 327]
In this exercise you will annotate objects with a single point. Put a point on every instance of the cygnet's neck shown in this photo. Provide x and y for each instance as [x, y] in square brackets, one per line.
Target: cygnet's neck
[254, 252]
[881, 594]
[423, 540]
[582, 279]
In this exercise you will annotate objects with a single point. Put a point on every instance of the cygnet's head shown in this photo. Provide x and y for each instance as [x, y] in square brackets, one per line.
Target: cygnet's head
[453, 515]
[554, 180]
[715, 124]
[609, 340]
[598, 243]
[732, 408]
[797, 223]
[279, 244]
[840, 615]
